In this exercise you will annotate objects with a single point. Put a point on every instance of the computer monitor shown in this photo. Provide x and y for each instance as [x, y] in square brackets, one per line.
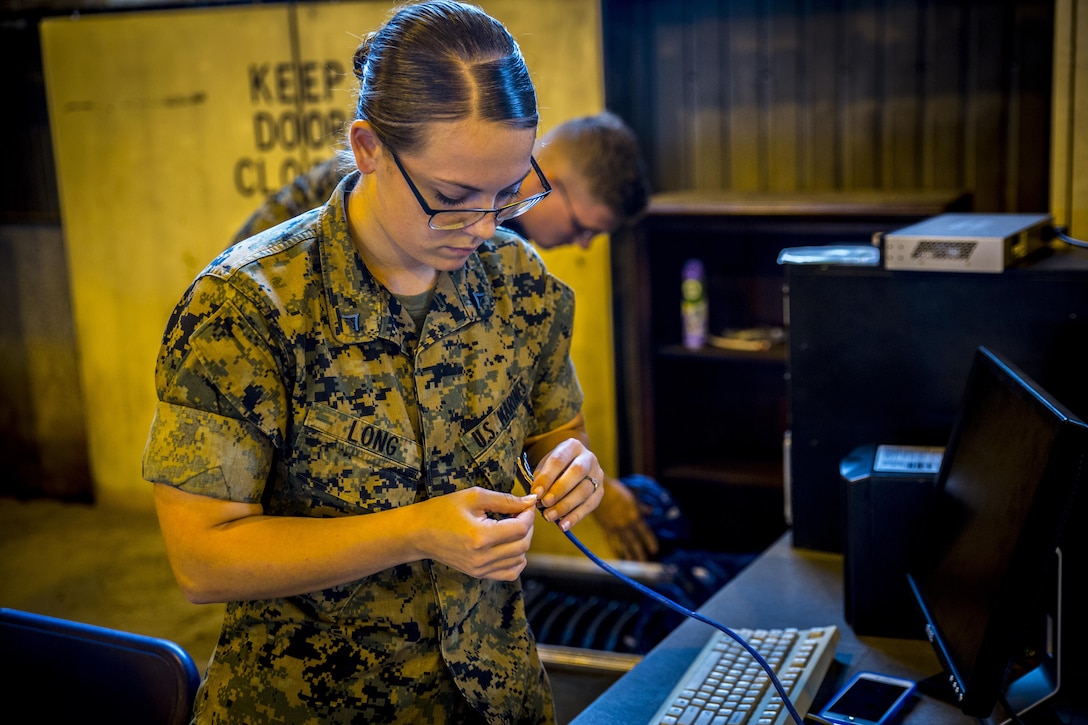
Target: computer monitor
[985, 567]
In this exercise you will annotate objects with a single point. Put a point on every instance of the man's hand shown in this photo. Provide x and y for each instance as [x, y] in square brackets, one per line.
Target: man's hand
[623, 523]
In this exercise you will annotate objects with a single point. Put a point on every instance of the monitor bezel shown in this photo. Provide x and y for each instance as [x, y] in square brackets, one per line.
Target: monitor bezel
[1027, 576]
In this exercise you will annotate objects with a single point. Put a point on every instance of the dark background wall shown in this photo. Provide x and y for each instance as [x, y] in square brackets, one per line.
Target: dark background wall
[812, 95]
[749, 95]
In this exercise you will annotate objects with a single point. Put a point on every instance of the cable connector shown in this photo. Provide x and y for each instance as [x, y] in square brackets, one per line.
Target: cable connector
[1056, 232]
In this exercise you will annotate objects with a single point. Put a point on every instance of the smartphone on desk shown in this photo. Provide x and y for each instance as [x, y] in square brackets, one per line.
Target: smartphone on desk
[869, 698]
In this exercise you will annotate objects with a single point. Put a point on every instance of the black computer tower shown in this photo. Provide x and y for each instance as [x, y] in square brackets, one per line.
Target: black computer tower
[883, 511]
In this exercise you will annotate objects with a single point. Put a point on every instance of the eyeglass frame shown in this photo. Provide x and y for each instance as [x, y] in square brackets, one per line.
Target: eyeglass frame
[528, 202]
[580, 229]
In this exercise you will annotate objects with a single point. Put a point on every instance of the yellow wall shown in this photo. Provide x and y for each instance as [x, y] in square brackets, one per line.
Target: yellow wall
[168, 129]
[1069, 138]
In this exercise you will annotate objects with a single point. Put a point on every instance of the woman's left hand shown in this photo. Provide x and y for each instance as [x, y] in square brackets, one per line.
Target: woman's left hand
[568, 482]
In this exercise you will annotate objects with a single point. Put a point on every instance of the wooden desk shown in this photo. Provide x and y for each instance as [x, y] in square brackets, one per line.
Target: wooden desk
[783, 587]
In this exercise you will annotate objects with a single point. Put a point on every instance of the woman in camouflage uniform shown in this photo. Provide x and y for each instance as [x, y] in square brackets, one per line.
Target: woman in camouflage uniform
[343, 399]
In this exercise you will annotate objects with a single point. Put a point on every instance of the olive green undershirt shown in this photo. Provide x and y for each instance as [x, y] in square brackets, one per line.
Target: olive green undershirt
[417, 306]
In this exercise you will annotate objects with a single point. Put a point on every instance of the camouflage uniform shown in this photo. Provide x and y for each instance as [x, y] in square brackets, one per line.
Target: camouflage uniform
[307, 191]
[289, 376]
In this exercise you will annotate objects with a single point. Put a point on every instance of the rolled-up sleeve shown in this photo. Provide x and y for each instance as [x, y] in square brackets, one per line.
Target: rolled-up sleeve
[207, 454]
[222, 402]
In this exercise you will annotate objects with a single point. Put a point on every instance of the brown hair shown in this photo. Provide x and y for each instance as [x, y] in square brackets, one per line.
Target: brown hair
[441, 61]
[605, 151]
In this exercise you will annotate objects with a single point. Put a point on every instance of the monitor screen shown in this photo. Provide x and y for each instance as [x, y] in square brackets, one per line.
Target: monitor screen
[984, 566]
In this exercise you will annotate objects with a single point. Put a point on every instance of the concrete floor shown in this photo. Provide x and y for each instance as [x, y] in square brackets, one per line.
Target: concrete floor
[100, 566]
[108, 567]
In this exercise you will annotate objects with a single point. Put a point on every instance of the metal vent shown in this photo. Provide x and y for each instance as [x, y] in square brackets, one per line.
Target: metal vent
[944, 250]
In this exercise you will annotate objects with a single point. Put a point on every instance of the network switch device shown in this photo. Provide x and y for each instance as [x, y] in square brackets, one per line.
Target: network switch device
[966, 242]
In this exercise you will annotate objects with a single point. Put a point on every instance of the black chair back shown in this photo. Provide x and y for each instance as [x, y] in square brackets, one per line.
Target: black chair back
[69, 672]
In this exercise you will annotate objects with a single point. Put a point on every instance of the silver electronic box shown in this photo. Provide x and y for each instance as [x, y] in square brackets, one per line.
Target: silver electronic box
[966, 242]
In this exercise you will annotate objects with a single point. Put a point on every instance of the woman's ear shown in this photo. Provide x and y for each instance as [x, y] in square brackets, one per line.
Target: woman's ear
[365, 145]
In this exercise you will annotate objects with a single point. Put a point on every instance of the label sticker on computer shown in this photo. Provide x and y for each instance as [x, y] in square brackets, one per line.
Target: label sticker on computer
[908, 459]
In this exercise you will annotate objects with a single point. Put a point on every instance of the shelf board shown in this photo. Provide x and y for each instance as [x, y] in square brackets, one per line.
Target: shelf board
[828, 204]
[752, 474]
[776, 354]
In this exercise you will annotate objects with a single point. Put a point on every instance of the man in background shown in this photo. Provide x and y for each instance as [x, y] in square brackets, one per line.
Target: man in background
[593, 163]
[599, 182]
[600, 185]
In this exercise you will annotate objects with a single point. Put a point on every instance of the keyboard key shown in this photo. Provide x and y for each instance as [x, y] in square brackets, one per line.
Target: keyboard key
[725, 686]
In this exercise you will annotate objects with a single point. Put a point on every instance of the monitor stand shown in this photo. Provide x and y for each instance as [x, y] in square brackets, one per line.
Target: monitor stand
[1028, 691]
[1026, 694]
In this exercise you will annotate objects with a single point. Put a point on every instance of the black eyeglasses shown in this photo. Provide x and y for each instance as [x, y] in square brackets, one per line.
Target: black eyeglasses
[580, 230]
[448, 219]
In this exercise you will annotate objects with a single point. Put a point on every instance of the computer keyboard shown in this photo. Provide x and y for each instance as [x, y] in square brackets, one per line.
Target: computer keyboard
[726, 686]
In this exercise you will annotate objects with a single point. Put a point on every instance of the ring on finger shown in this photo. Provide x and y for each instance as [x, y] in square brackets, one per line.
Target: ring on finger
[594, 481]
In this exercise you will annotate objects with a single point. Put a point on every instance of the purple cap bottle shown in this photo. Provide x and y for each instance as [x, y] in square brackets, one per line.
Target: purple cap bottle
[693, 305]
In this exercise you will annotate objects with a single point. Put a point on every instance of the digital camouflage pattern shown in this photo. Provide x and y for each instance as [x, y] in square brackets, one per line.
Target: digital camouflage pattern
[305, 192]
[289, 376]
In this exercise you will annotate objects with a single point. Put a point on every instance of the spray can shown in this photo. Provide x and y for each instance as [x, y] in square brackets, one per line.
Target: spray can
[693, 304]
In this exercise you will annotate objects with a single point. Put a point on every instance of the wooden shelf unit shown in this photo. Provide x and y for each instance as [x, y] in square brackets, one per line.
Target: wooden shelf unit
[709, 423]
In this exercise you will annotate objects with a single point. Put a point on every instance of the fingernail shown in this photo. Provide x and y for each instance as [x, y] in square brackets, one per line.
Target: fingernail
[564, 525]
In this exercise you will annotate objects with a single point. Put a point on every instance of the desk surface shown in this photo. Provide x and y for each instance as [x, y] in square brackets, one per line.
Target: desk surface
[784, 587]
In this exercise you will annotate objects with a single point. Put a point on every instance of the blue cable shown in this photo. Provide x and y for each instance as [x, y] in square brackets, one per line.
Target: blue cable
[527, 478]
[694, 615]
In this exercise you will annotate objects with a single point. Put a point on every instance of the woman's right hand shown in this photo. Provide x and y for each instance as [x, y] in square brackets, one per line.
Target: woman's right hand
[224, 551]
[460, 531]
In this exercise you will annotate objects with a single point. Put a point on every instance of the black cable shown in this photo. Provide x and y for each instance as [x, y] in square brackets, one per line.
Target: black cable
[1014, 717]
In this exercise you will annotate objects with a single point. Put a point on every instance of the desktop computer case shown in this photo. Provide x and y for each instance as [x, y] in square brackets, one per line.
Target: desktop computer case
[880, 356]
[882, 514]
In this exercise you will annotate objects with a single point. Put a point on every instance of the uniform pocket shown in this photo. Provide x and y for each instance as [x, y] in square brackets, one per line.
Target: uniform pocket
[343, 464]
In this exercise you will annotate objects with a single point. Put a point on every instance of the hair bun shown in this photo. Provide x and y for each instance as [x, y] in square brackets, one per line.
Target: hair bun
[358, 61]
